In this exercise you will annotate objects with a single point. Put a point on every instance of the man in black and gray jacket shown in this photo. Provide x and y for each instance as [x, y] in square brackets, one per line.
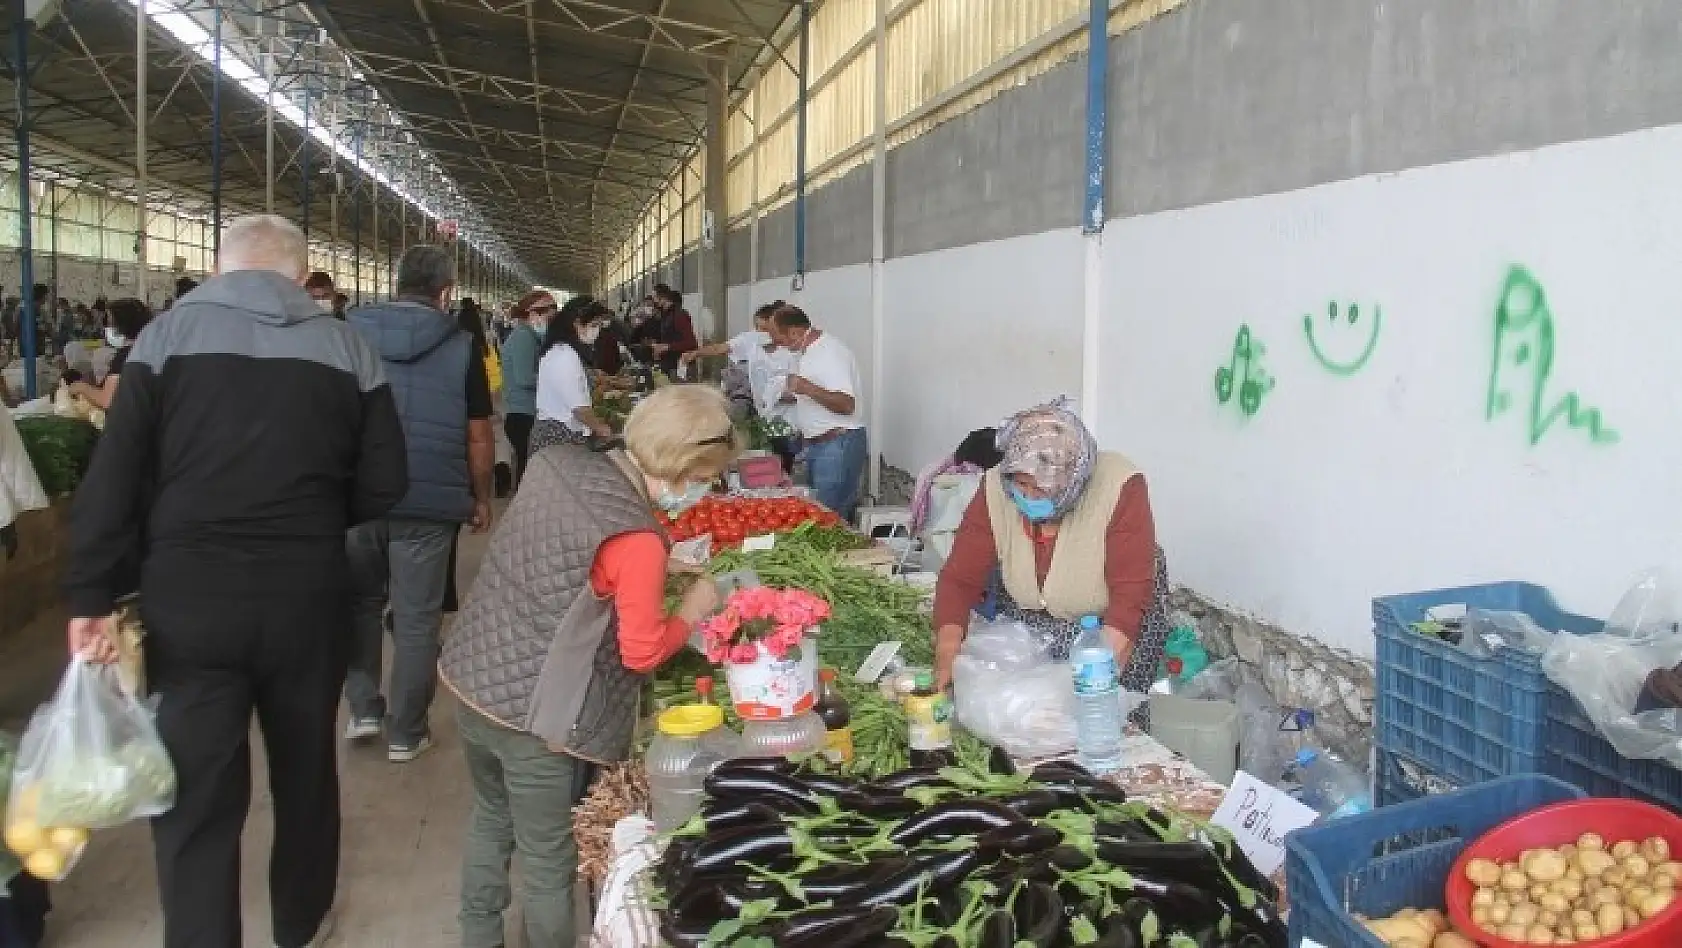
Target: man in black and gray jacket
[250, 432]
[443, 397]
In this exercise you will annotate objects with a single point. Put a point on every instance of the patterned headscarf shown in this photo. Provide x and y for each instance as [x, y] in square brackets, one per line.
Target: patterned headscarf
[1050, 444]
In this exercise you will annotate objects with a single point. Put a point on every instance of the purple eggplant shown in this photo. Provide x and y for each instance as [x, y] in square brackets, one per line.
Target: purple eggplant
[910, 778]
[835, 928]
[1019, 839]
[965, 817]
[998, 930]
[1034, 803]
[728, 782]
[1038, 912]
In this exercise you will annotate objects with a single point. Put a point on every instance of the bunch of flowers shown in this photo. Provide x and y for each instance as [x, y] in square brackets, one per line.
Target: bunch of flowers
[762, 615]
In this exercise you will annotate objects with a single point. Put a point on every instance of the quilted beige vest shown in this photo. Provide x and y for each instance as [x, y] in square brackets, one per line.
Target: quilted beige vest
[1075, 585]
[533, 647]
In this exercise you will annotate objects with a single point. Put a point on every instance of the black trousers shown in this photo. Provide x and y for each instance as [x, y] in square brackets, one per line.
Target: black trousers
[272, 641]
[518, 428]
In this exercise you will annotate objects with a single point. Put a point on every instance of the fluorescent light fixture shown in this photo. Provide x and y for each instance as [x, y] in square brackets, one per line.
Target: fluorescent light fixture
[195, 36]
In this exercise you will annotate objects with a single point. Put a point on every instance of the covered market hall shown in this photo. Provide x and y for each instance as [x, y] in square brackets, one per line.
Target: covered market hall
[942, 377]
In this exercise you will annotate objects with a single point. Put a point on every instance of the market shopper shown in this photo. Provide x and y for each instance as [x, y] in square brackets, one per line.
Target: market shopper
[823, 387]
[549, 652]
[247, 436]
[520, 354]
[319, 286]
[128, 317]
[564, 394]
[438, 382]
[674, 330]
[1068, 530]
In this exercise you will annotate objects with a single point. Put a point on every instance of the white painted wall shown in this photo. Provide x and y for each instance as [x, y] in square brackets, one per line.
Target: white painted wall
[1392, 480]
[1341, 487]
[974, 334]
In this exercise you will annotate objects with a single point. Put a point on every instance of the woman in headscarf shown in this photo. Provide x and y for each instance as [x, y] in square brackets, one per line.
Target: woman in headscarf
[1068, 531]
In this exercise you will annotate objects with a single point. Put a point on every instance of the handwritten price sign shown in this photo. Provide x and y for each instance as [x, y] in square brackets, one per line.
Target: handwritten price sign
[1259, 816]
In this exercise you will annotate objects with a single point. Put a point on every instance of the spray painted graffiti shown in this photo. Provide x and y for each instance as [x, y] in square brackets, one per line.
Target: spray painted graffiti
[1524, 355]
[1244, 374]
[1333, 326]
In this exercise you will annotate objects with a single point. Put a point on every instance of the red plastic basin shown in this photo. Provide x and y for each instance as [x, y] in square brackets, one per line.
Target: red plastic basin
[1552, 827]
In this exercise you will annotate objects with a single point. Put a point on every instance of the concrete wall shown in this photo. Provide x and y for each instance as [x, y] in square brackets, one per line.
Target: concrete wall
[1266, 162]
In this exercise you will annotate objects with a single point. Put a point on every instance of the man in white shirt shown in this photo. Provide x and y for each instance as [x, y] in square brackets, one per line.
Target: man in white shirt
[824, 389]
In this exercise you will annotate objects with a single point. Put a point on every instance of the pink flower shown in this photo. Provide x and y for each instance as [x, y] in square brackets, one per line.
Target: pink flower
[744, 654]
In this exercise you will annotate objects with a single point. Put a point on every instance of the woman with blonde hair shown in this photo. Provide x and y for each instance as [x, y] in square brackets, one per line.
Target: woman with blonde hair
[549, 651]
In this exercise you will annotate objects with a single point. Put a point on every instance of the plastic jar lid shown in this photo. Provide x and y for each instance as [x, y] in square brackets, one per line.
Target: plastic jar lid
[690, 720]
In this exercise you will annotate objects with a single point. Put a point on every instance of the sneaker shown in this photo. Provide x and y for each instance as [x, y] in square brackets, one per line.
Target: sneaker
[404, 753]
[322, 933]
[362, 729]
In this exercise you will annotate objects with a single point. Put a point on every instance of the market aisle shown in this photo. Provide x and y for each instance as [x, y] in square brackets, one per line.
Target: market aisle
[402, 833]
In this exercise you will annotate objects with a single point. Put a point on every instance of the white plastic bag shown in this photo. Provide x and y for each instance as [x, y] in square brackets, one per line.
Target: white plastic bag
[91, 759]
[1009, 693]
[949, 497]
[1607, 673]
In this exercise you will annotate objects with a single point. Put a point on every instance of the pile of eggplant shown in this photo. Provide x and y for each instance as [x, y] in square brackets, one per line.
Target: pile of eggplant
[782, 857]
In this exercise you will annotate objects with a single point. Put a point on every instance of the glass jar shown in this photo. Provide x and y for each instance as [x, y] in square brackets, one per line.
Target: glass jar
[795, 736]
[690, 742]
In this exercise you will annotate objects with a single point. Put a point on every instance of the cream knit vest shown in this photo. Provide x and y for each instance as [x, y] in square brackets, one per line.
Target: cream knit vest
[1075, 585]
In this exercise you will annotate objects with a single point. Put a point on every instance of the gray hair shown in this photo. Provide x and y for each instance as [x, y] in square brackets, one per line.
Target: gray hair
[264, 242]
[425, 271]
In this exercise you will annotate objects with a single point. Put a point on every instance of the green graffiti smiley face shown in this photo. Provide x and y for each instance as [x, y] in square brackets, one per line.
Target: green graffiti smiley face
[1336, 323]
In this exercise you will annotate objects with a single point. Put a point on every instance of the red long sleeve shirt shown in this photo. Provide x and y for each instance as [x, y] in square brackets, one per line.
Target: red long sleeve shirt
[631, 568]
[1129, 561]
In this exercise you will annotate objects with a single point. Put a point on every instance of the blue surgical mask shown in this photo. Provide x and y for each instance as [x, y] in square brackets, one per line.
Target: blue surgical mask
[675, 503]
[1036, 509]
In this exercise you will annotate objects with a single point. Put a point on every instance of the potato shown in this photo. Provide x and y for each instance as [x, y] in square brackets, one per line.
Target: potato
[1615, 877]
[1514, 880]
[1537, 890]
[1435, 921]
[1544, 866]
[1655, 903]
[1524, 914]
[1605, 895]
[1609, 919]
[1453, 940]
[1588, 932]
[1548, 918]
[1591, 885]
[1637, 866]
[1394, 929]
[1632, 918]
[1594, 862]
[1590, 841]
[1539, 935]
[1660, 880]
[1483, 872]
[1480, 916]
[1636, 893]
[1569, 888]
[1483, 898]
[1573, 873]
[1671, 869]
[1409, 943]
[1513, 933]
[1500, 912]
[1656, 849]
[1625, 849]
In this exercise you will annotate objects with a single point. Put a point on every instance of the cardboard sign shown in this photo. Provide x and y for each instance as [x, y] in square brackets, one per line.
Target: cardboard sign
[760, 544]
[1258, 816]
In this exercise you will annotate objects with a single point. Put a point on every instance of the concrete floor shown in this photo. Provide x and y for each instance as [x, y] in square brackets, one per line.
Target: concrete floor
[403, 827]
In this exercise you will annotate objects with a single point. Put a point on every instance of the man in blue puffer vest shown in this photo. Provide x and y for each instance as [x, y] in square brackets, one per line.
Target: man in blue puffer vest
[444, 400]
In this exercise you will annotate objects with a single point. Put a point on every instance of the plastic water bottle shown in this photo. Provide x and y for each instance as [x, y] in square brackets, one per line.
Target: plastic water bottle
[1098, 721]
[1331, 786]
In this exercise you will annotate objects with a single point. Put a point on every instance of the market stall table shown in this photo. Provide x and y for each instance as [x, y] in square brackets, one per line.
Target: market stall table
[624, 919]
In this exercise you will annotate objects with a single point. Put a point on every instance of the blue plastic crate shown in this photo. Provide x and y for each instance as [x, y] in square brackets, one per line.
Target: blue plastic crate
[1580, 756]
[1469, 719]
[1396, 857]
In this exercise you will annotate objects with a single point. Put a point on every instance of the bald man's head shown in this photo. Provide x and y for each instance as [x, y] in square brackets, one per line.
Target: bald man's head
[264, 242]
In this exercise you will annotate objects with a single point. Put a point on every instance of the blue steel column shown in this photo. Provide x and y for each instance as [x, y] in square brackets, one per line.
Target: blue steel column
[216, 129]
[800, 147]
[21, 26]
[1097, 112]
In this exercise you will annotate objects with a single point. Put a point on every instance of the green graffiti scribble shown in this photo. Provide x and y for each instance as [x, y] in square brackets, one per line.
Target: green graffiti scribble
[1350, 315]
[1524, 317]
[1254, 384]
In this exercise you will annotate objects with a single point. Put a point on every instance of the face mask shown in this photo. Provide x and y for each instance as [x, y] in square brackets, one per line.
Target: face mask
[676, 503]
[1036, 509]
[115, 339]
[326, 306]
[589, 336]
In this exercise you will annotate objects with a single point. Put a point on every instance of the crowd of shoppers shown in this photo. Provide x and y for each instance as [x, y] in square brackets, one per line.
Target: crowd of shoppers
[284, 483]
